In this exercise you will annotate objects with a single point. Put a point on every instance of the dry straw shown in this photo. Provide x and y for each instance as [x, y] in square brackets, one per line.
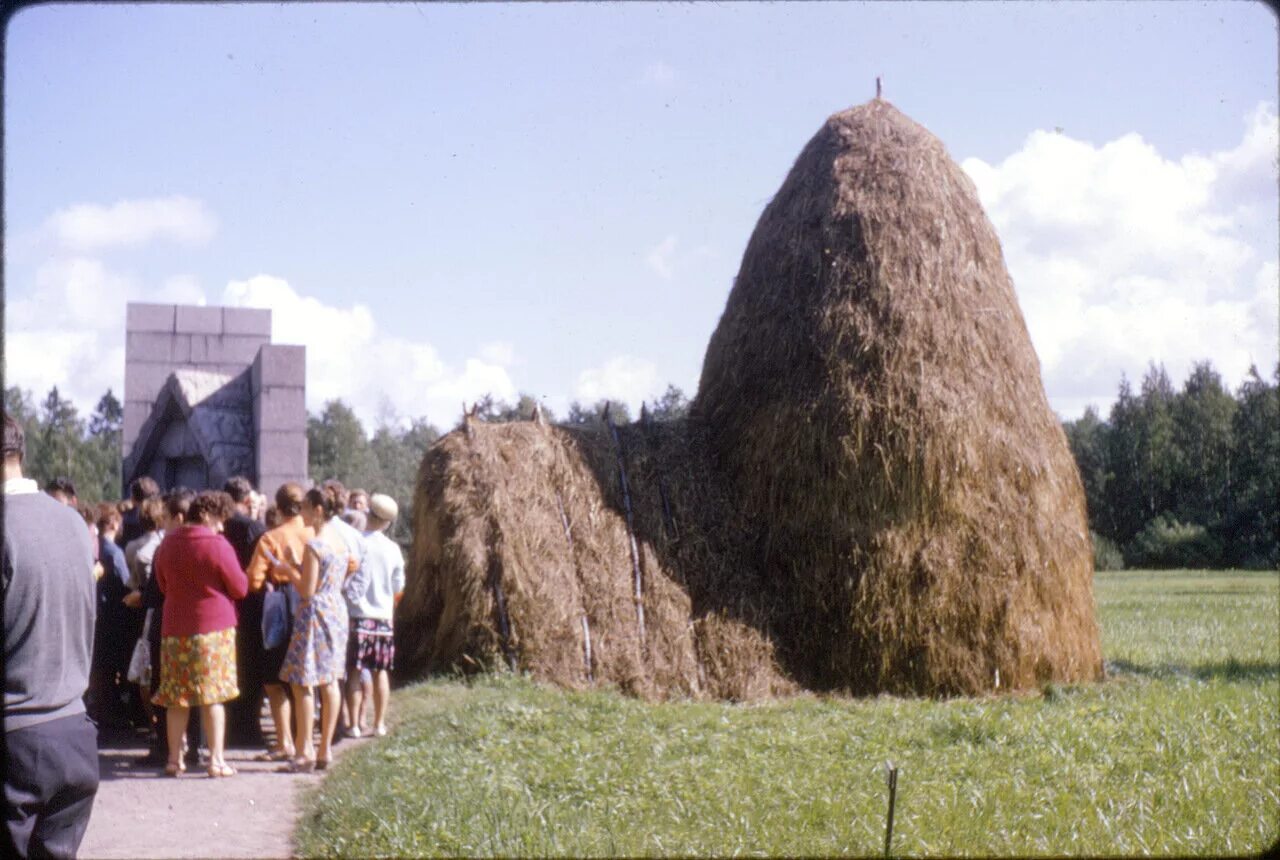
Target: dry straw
[871, 493]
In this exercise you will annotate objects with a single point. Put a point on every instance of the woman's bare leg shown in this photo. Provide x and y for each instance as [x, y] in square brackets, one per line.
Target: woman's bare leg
[214, 718]
[176, 726]
[332, 696]
[381, 699]
[354, 702]
[279, 700]
[305, 702]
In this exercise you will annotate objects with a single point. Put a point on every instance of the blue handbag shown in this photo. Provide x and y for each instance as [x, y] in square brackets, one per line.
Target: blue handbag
[275, 618]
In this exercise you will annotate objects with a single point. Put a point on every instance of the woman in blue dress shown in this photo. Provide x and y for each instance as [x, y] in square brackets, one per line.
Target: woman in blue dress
[318, 647]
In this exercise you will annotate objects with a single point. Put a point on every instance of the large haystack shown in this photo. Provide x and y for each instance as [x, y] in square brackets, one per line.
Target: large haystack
[872, 398]
[871, 494]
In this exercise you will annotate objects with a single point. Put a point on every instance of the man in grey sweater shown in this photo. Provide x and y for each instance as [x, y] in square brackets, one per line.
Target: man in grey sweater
[51, 747]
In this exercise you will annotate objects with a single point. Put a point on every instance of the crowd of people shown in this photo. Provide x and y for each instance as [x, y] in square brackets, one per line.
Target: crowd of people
[188, 604]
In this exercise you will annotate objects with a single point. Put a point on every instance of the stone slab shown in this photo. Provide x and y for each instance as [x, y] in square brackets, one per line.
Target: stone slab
[250, 321]
[280, 408]
[238, 351]
[143, 380]
[144, 316]
[195, 319]
[157, 347]
[281, 453]
[281, 364]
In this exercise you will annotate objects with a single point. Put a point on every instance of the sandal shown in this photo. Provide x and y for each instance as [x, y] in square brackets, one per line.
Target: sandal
[298, 765]
[221, 770]
[274, 755]
[172, 769]
[322, 764]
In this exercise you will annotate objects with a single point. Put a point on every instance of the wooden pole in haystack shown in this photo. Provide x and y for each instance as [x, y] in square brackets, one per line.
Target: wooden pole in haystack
[586, 625]
[631, 531]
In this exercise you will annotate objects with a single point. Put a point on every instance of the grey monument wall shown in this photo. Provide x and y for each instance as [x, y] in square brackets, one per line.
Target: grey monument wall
[207, 395]
[278, 383]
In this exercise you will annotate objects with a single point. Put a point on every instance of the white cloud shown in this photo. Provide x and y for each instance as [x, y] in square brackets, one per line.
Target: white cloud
[1122, 256]
[623, 377]
[661, 257]
[659, 73]
[88, 227]
[68, 331]
[348, 358]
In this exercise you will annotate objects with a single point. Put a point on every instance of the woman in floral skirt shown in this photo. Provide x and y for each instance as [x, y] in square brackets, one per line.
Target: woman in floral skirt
[200, 576]
[318, 647]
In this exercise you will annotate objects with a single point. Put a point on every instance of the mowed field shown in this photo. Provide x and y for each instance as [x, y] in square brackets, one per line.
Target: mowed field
[1178, 752]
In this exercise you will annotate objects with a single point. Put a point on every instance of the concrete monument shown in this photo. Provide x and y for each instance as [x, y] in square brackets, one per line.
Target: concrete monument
[207, 396]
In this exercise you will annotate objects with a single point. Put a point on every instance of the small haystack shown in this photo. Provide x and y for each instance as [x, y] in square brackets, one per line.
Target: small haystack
[524, 554]
[872, 397]
[871, 494]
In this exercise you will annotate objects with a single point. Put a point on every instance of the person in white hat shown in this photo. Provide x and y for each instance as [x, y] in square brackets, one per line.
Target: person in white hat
[370, 645]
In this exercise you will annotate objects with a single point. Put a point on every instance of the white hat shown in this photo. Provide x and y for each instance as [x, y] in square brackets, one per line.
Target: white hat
[383, 507]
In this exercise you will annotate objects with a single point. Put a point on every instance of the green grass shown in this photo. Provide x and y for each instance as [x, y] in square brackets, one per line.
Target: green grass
[1178, 753]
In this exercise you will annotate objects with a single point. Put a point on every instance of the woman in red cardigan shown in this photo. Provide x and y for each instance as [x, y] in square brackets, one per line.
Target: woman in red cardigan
[200, 576]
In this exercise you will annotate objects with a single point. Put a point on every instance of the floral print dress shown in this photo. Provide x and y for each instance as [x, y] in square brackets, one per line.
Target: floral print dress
[317, 651]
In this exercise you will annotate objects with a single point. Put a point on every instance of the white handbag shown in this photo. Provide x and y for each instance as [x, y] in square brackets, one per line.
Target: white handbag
[140, 663]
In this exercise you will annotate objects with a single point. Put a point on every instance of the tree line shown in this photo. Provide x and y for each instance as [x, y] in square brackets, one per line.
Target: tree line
[1184, 477]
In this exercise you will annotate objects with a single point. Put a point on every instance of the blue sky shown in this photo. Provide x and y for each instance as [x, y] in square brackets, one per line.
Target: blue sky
[443, 200]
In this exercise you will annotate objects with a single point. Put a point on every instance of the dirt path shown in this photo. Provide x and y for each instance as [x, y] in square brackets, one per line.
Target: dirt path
[139, 812]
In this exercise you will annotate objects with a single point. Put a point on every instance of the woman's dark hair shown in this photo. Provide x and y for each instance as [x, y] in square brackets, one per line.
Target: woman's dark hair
[15, 441]
[238, 487]
[211, 504]
[150, 514]
[327, 499]
[143, 488]
[340, 492]
[289, 500]
[178, 502]
[61, 484]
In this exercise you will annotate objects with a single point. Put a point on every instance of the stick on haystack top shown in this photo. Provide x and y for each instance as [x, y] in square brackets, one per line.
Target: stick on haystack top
[873, 399]
[871, 492]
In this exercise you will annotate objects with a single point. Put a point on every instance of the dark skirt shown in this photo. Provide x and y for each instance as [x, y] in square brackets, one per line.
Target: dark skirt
[273, 658]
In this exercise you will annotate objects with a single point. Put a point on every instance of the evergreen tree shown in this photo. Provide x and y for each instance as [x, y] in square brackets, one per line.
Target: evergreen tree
[1124, 490]
[60, 433]
[108, 416]
[102, 448]
[1203, 415]
[1252, 530]
[671, 405]
[1158, 452]
[1087, 437]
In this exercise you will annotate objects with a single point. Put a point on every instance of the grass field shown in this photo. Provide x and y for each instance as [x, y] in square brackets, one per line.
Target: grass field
[1177, 753]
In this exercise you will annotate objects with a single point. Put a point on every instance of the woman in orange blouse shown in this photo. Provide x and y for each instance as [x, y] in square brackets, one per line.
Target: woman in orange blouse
[286, 540]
